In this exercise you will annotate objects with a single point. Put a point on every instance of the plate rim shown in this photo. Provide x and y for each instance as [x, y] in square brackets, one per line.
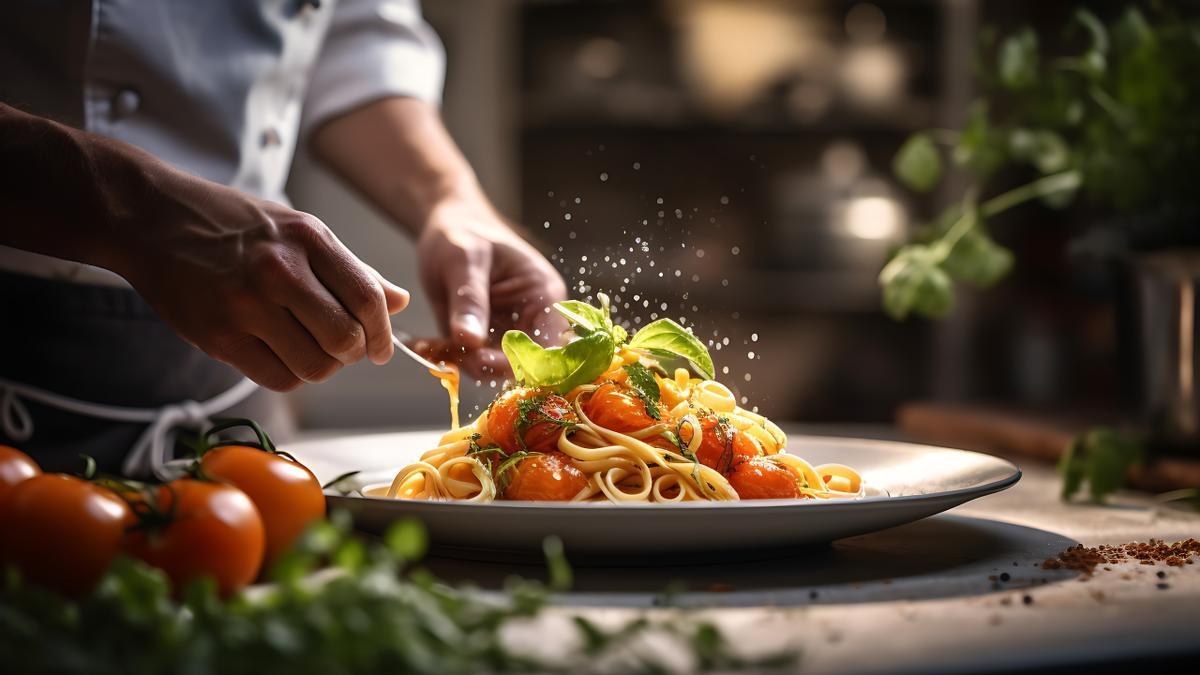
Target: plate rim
[969, 492]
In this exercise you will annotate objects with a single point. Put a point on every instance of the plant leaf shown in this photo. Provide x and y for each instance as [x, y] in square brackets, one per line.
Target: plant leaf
[1044, 149]
[913, 282]
[1018, 59]
[643, 382]
[670, 337]
[584, 318]
[981, 148]
[560, 368]
[977, 259]
[917, 163]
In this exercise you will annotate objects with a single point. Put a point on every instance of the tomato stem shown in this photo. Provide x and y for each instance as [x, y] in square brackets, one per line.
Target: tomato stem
[264, 440]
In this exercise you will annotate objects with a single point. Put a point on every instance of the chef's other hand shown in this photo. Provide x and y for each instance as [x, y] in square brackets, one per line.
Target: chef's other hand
[262, 287]
[484, 279]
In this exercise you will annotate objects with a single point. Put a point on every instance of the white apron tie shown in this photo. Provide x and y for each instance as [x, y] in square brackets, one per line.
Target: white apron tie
[150, 455]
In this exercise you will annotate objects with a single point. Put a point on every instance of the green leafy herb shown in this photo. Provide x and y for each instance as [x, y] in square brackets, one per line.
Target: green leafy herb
[1100, 458]
[586, 319]
[917, 164]
[504, 473]
[667, 337]
[558, 368]
[642, 381]
[1111, 120]
[375, 614]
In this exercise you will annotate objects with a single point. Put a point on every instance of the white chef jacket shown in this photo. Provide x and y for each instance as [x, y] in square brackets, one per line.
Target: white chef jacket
[222, 89]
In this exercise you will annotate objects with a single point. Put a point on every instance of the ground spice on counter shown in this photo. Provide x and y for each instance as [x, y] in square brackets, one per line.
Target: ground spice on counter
[1085, 559]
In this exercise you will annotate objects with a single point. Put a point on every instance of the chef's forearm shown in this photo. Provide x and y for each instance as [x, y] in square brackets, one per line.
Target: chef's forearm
[398, 154]
[69, 193]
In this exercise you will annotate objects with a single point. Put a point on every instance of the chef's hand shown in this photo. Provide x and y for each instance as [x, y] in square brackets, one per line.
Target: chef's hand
[483, 279]
[255, 284]
[262, 287]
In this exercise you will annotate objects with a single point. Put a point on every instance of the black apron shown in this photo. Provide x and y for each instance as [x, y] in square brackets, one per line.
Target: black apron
[104, 345]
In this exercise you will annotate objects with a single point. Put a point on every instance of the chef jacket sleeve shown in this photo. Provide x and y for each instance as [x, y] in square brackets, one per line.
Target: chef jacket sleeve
[374, 49]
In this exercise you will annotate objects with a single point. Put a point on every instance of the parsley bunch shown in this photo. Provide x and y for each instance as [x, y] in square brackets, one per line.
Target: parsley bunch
[372, 612]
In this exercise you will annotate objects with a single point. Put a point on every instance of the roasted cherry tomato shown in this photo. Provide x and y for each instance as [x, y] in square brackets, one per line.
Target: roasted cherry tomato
[287, 495]
[763, 479]
[543, 422]
[722, 447]
[210, 530]
[616, 407]
[61, 532]
[15, 467]
[551, 477]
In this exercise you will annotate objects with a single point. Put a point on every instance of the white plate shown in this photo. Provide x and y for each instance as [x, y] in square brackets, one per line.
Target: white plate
[911, 481]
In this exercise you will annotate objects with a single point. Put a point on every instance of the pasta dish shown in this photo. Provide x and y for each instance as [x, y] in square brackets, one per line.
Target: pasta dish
[616, 418]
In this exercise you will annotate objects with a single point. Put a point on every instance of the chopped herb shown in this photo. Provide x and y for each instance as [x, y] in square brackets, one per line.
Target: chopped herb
[503, 474]
[642, 381]
[539, 409]
[725, 435]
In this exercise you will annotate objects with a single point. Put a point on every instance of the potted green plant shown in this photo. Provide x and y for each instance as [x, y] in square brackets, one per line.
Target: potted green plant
[1107, 115]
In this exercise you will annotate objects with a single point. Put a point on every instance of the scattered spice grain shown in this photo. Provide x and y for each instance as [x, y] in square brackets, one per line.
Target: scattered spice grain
[1084, 559]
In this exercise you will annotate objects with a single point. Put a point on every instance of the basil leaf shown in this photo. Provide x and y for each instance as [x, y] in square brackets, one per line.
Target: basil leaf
[670, 337]
[584, 318]
[559, 368]
[642, 381]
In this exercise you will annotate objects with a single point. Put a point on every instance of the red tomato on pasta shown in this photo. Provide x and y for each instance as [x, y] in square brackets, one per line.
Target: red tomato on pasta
[551, 477]
[763, 479]
[722, 447]
[615, 407]
[543, 421]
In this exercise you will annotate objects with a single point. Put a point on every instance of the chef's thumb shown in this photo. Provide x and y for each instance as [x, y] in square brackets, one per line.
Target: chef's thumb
[397, 298]
[468, 304]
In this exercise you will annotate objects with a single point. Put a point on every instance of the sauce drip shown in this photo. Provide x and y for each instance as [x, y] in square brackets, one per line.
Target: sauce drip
[449, 380]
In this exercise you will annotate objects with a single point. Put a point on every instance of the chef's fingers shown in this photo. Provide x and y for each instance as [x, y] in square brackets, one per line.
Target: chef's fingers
[397, 298]
[359, 290]
[256, 361]
[485, 363]
[335, 330]
[466, 282]
[294, 346]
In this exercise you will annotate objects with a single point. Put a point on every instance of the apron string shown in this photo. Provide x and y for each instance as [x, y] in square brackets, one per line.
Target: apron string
[150, 454]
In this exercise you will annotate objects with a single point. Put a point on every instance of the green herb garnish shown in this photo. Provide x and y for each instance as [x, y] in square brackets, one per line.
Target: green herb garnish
[642, 381]
[558, 368]
[590, 354]
[665, 337]
[503, 475]
[586, 319]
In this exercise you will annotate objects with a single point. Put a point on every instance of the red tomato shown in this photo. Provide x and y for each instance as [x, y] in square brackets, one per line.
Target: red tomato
[763, 479]
[62, 532]
[286, 494]
[615, 407]
[543, 425]
[722, 447]
[215, 531]
[551, 477]
[15, 467]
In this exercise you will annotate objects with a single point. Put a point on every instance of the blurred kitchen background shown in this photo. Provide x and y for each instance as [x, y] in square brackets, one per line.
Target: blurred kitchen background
[728, 162]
